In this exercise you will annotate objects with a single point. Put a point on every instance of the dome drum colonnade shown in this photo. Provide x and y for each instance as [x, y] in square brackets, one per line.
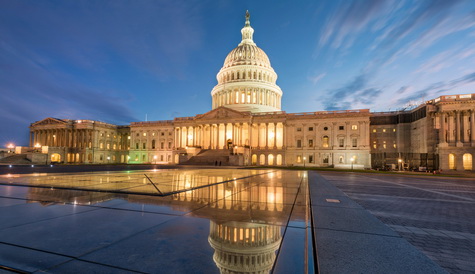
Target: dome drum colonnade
[247, 81]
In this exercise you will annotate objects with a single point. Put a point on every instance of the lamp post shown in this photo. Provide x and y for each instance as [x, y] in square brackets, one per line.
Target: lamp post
[352, 160]
[399, 164]
[10, 147]
[304, 158]
[155, 159]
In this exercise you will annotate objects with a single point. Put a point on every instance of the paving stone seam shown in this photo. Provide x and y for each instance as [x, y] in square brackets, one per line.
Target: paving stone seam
[359, 232]
[431, 191]
[66, 256]
[48, 219]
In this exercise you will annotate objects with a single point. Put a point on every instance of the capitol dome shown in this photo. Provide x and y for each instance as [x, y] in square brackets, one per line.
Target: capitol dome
[247, 81]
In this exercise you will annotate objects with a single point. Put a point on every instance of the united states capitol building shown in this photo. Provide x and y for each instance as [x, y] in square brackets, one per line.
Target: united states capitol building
[246, 126]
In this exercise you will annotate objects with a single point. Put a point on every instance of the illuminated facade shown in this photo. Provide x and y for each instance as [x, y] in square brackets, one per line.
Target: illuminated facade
[246, 126]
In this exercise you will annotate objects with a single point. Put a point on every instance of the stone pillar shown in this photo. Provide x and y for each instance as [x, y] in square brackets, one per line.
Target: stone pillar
[217, 136]
[275, 136]
[442, 133]
[472, 127]
[225, 136]
[258, 135]
[267, 135]
[210, 141]
[241, 134]
[234, 139]
[458, 129]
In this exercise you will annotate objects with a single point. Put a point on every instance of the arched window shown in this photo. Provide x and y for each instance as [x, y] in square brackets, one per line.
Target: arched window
[451, 161]
[279, 159]
[325, 141]
[262, 159]
[254, 159]
[467, 161]
[270, 159]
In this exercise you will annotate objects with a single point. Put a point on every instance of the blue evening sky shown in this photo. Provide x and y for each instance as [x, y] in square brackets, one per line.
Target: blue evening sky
[118, 61]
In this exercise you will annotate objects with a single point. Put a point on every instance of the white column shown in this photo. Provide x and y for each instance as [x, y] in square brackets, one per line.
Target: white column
[442, 138]
[457, 128]
[275, 135]
[267, 135]
[472, 127]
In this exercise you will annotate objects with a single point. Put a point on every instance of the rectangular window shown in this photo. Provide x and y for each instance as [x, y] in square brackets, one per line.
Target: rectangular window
[310, 129]
[299, 129]
[143, 146]
[310, 143]
[394, 130]
[384, 130]
[374, 130]
[299, 159]
[341, 127]
[169, 144]
[161, 158]
[136, 145]
[163, 134]
[162, 145]
[374, 146]
[354, 127]
[299, 143]
[341, 142]
[310, 158]
[354, 142]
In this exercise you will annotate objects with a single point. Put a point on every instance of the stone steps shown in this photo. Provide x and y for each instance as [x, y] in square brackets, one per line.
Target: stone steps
[211, 157]
[17, 159]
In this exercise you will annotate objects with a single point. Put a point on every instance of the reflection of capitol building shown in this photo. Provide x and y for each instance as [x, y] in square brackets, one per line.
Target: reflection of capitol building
[244, 247]
[247, 126]
[246, 216]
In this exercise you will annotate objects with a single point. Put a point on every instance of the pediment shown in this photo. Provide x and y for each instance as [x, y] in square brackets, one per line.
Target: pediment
[222, 113]
[49, 121]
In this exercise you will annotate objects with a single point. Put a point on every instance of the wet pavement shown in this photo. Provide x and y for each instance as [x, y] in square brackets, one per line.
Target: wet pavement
[207, 221]
[435, 214]
[212, 220]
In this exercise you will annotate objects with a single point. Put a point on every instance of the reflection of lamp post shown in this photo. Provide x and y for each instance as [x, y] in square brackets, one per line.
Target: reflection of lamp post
[10, 147]
[399, 164]
[352, 160]
[304, 158]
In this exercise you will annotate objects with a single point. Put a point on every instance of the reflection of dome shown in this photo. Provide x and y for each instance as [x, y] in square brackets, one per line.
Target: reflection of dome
[244, 247]
[247, 81]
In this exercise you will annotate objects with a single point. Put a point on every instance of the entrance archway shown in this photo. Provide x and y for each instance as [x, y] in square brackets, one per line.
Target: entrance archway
[270, 159]
[279, 159]
[55, 158]
[254, 159]
[451, 161]
[262, 160]
[467, 161]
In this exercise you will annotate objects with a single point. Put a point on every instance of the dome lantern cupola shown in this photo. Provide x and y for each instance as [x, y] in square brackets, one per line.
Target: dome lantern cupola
[247, 31]
[247, 81]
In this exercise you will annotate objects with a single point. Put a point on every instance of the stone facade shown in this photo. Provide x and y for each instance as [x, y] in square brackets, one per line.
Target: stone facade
[246, 126]
[80, 141]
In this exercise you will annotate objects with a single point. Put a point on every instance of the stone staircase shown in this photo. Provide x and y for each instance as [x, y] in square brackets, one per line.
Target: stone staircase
[210, 157]
[17, 159]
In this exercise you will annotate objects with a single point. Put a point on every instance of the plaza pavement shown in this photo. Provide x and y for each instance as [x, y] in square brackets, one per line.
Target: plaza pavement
[434, 214]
